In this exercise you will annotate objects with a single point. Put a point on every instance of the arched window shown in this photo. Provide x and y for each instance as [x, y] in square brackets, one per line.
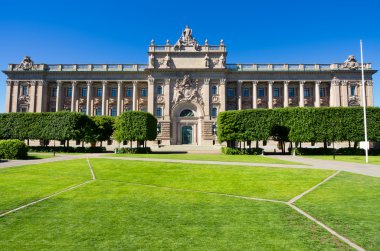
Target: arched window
[187, 113]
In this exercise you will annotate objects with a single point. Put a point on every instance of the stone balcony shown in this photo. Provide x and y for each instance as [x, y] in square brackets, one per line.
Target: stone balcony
[291, 67]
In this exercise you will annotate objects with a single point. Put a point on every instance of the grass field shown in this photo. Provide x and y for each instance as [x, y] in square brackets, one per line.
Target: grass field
[210, 157]
[172, 206]
[356, 159]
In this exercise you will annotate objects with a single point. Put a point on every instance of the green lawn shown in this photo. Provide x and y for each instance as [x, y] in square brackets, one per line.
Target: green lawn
[350, 204]
[211, 157]
[355, 159]
[40, 155]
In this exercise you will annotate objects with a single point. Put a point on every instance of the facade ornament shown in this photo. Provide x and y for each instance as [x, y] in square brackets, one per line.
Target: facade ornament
[152, 42]
[167, 61]
[167, 42]
[221, 42]
[369, 83]
[187, 39]
[207, 61]
[82, 101]
[160, 99]
[26, 64]
[9, 82]
[150, 80]
[215, 99]
[206, 42]
[353, 101]
[222, 61]
[222, 81]
[151, 61]
[335, 81]
[351, 63]
[187, 89]
[24, 99]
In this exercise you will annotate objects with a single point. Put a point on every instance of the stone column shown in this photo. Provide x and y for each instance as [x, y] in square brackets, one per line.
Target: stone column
[73, 95]
[167, 99]
[334, 93]
[239, 84]
[8, 97]
[344, 92]
[286, 93]
[302, 94]
[88, 98]
[40, 96]
[32, 96]
[58, 98]
[222, 93]
[151, 94]
[369, 92]
[15, 96]
[119, 88]
[270, 94]
[254, 94]
[206, 96]
[317, 102]
[104, 98]
[134, 96]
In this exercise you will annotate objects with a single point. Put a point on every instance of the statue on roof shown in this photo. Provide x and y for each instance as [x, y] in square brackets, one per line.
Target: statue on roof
[187, 39]
[26, 64]
[351, 63]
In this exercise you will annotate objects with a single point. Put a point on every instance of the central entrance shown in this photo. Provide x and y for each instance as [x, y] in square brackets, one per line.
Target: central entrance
[187, 135]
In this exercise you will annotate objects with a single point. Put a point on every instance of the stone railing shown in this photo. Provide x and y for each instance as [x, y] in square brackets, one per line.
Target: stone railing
[81, 67]
[290, 67]
[201, 48]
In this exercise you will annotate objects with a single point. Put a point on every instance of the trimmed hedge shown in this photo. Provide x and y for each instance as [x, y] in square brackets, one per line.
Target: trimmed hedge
[242, 151]
[70, 149]
[133, 150]
[339, 151]
[13, 149]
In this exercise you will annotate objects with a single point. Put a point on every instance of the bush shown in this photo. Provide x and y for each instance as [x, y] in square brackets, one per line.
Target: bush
[238, 151]
[62, 149]
[13, 149]
[330, 151]
[133, 150]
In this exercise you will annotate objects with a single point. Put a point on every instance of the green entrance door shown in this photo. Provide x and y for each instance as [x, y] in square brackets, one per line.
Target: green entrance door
[187, 135]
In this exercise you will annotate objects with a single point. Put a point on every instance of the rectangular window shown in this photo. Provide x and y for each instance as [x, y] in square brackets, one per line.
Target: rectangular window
[98, 111]
[230, 92]
[292, 92]
[113, 112]
[129, 92]
[322, 92]
[245, 92]
[352, 90]
[214, 112]
[159, 90]
[69, 92]
[306, 92]
[84, 92]
[143, 92]
[214, 90]
[54, 91]
[260, 92]
[99, 92]
[25, 90]
[159, 112]
[113, 92]
[276, 92]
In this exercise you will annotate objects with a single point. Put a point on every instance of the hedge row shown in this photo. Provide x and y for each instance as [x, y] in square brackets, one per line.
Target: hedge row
[13, 149]
[299, 124]
[330, 151]
[63, 149]
[242, 151]
[133, 150]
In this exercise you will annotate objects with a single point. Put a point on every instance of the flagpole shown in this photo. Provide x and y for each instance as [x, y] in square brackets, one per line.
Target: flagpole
[364, 104]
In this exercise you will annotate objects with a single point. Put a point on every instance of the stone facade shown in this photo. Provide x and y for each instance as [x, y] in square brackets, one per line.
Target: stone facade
[185, 85]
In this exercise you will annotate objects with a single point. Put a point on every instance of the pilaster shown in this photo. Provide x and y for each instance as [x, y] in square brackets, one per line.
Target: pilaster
[119, 88]
[254, 94]
[344, 92]
[302, 94]
[104, 98]
[40, 99]
[32, 96]
[222, 88]
[59, 96]
[15, 96]
[317, 102]
[270, 94]
[151, 94]
[206, 96]
[88, 98]
[369, 92]
[286, 93]
[334, 92]
[134, 96]
[167, 99]
[8, 97]
[239, 84]
[73, 95]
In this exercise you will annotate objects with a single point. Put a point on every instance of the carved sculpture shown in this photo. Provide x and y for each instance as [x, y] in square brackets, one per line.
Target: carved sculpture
[187, 39]
[167, 60]
[24, 99]
[187, 89]
[26, 64]
[222, 61]
[151, 61]
[351, 63]
[207, 61]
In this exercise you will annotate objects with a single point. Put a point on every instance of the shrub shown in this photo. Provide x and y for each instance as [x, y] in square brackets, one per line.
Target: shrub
[238, 151]
[133, 150]
[330, 151]
[62, 149]
[13, 149]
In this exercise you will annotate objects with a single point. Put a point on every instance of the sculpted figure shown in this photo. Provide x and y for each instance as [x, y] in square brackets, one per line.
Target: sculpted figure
[351, 63]
[151, 61]
[222, 61]
[26, 63]
[167, 60]
[207, 61]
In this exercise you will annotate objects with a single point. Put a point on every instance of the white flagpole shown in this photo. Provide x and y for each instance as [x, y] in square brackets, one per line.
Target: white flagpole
[364, 104]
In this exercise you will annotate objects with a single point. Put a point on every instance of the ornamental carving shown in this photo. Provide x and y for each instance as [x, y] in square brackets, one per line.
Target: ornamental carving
[26, 64]
[141, 101]
[97, 101]
[126, 101]
[215, 99]
[82, 101]
[24, 99]
[351, 63]
[160, 99]
[187, 39]
[187, 89]
[112, 101]
[353, 101]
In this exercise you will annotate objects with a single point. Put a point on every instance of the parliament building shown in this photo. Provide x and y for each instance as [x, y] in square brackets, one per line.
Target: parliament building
[185, 85]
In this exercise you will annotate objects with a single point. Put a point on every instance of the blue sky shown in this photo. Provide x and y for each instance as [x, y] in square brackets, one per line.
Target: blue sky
[254, 32]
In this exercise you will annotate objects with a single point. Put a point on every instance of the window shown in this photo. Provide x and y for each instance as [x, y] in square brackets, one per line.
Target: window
[292, 92]
[214, 90]
[69, 92]
[260, 92]
[230, 92]
[187, 113]
[99, 92]
[352, 90]
[98, 111]
[83, 110]
[23, 109]
[113, 112]
[84, 92]
[159, 90]
[307, 92]
[214, 112]
[25, 90]
[245, 92]
[143, 92]
[54, 91]
[113, 92]
[129, 92]
[276, 92]
[127, 109]
[159, 112]
[322, 92]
